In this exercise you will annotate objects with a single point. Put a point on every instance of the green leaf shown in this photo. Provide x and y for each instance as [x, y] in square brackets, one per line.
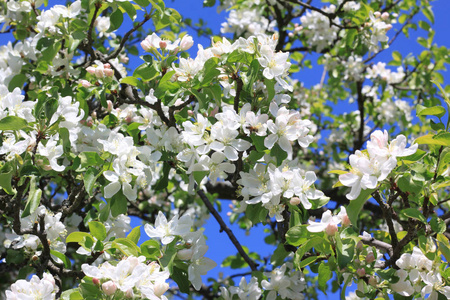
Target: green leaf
[270, 88]
[34, 198]
[256, 213]
[258, 141]
[128, 8]
[297, 235]
[278, 153]
[72, 294]
[116, 20]
[90, 177]
[98, 230]
[118, 204]
[131, 81]
[167, 259]
[443, 243]
[17, 82]
[180, 276]
[147, 71]
[84, 239]
[356, 205]
[431, 139]
[407, 184]
[345, 250]
[438, 225]
[12, 123]
[252, 74]
[325, 274]
[143, 3]
[210, 71]
[163, 181]
[278, 256]
[5, 182]
[437, 111]
[126, 246]
[135, 234]
[89, 159]
[64, 136]
[65, 259]
[199, 175]
[414, 213]
[151, 249]
[305, 248]
[158, 5]
[428, 12]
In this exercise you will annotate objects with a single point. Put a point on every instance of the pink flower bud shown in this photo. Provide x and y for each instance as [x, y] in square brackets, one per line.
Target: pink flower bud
[124, 59]
[331, 229]
[90, 70]
[186, 42]
[385, 15]
[360, 246]
[95, 281]
[110, 105]
[361, 272]
[85, 83]
[345, 221]
[107, 66]
[377, 14]
[108, 72]
[294, 201]
[109, 288]
[290, 34]
[129, 293]
[162, 45]
[370, 258]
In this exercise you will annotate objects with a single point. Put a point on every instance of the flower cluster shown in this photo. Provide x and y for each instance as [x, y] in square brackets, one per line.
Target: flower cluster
[192, 245]
[375, 165]
[329, 223]
[36, 288]
[283, 282]
[417, 273]
[130, 277]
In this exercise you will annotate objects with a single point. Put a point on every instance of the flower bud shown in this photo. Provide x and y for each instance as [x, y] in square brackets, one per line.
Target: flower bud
[109, 288]
[377, 14]
[360, 246]
[361, 272]
[129, 293]
[373, 281]
[162, 45]
[85, 83]
[331, 229]
[370, 258]
[90, 70]
[95, 281]
[110, 105]
[160, 288]
[385, 15]
[146, 46]
[345, 221]
[185, 254]
[108, 72]
[107, 66]
[294, 201]
[388, 27]
[124, 59]
[290, 34]
[186, 42]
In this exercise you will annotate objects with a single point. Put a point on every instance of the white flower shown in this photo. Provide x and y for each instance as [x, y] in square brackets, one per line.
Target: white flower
[199, 266]
[36, 288]
[52, 152]
[328, 223]
[167, 231]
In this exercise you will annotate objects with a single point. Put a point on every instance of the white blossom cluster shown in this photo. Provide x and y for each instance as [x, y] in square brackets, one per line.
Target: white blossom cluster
[54, 228]
[247, 20]
[284, 282]
[352, 67]
[317, 28]
[379, 25]
[417, 273]
[132, 276]
[375, 165]
[329, 223]
[194, 244]
[36, 288]
[379, 70]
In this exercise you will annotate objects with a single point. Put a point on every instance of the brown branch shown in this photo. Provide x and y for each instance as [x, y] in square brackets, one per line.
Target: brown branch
[127, 35]
[386, 247]
[223, 227]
